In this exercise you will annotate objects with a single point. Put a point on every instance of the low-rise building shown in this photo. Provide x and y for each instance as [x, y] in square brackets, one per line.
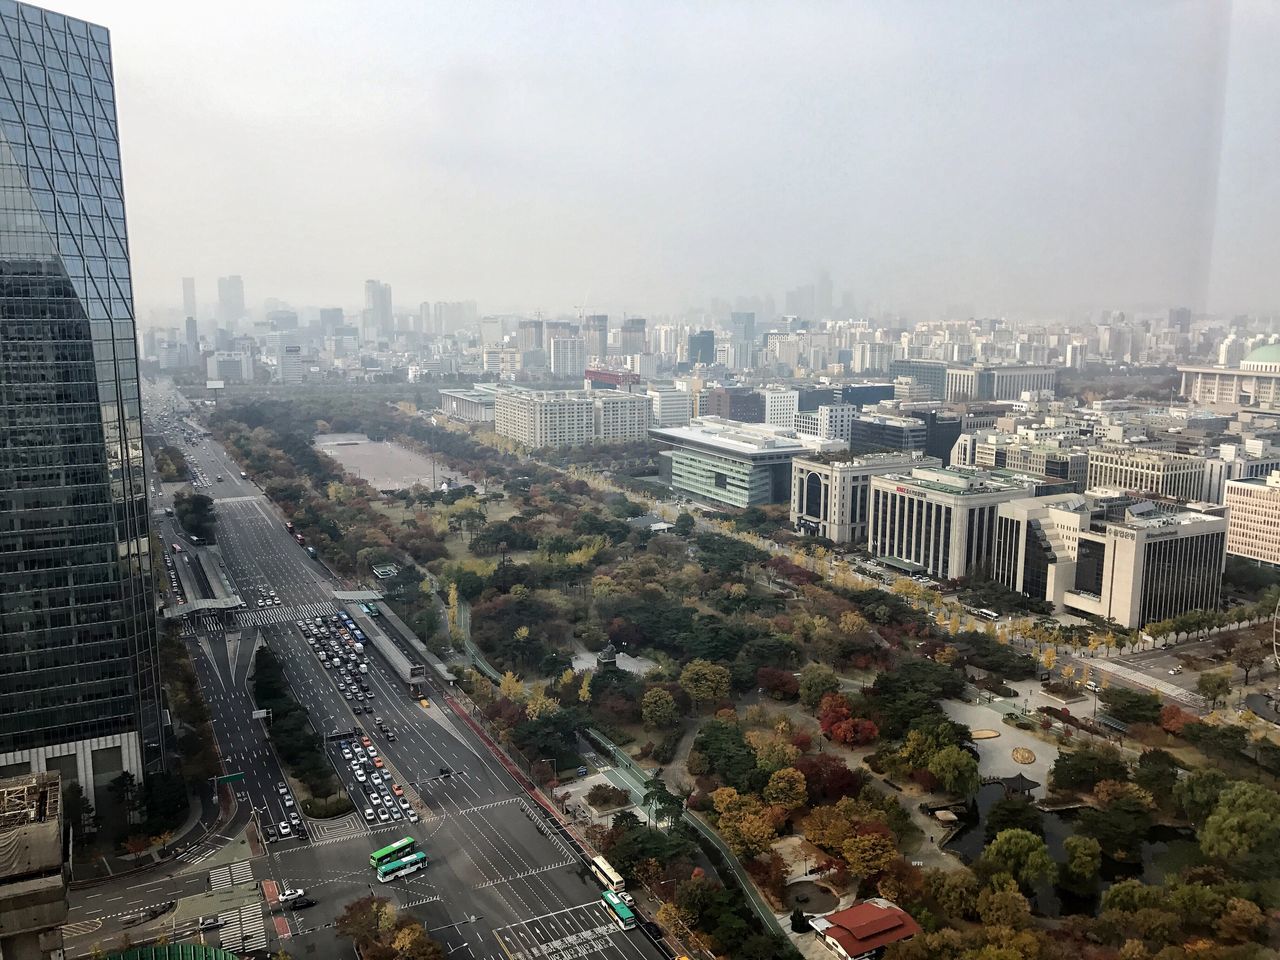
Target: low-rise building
[1159, 472]
[672, 407]
[830, 492]
[863, 931]
[876, 433]
[469, 406]
[1253, 518]
[570, 418]
[730, 463]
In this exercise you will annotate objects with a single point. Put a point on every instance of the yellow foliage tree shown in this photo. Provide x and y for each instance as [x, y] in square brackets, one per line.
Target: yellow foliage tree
[511, 687]
[540, 705]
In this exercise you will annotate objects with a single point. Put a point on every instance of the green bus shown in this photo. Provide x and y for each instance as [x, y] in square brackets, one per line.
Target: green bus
[622, 914]
[394, 851]
[402, 868]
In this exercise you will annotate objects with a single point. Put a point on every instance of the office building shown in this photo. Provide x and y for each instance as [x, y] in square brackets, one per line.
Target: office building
[671, 407]
[377, 310]
[941, 521]
[1160, 472]
[469, 406]
[33, 887]
[876, 432]
[780, 406]
[631, 338]
[1253, 518]
[733, 403]
[595, 330]
[702, 348]
[829, 421]
[568, 358]
[981, 382]
[1009, 452]
[529, 335]
[742, 326]
[291, 366]
[1035, 544]
[189, 297]
[932, 374]
[570, 418]
[1253, 457]
[331, 318]
[193, 342]
[79, 684]
[230, 366]
[596, 379]
[730, 463]
[230, 301]
[830, 492]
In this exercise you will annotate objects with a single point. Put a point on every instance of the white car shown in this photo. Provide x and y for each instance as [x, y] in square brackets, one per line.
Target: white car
[285, 829]
[404, 803]
[360, 777]
[383, 815]
[369, 815]
[289, 895]
[288, 801]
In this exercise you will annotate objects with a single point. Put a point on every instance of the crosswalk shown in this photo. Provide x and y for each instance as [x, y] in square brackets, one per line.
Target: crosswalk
[269, 615]
[243, 930]
[223, 878]
[199, 852]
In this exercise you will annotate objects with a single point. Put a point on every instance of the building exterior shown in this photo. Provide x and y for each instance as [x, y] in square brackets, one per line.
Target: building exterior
[595, 330]
[702, 347]
[1253, 518]
[1255, 383]
[831, 492]
[864, 930]
[570, 418]
[830, 422]
[469, 406]
[1006, 452]
[292, 366]
[733, 403]
[621, 417]
[1035, 542]
[874, 432]
[568, 358]
[377, 310]
[942, 521]
[33, 888]
[79, 684]
[671, 407]
[981, 382]
[631, 338]
[529, 335]
[1160, 472]
[731, 463]
[189, 297]
[230, 301]
[230, 366]
[1238, 461]
[932, 374]
[780, 406]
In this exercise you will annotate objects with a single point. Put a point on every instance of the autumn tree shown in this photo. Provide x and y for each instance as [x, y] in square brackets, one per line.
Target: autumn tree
[1213, 687]
[816, 681]
[1244, 829]
[786, 789]
[1004, 906]
[659, 709]
[868, 853]
[1020, 854]
[704, 681]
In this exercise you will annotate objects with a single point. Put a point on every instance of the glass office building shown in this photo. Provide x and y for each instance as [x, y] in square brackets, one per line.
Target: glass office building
[79, 688]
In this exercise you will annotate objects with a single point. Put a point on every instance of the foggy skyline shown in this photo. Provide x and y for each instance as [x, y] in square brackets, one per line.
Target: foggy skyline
[1039, 160]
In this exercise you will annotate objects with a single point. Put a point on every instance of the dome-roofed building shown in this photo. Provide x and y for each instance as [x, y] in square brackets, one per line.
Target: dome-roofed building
[1255, 383]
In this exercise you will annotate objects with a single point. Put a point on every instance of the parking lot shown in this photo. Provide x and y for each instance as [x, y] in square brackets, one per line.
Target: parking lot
[384, 465]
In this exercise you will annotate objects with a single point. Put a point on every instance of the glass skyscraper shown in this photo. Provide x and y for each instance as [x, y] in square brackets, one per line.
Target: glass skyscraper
[79, 686]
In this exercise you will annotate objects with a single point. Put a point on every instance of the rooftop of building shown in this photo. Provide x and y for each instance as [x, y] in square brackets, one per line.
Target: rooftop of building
[867, 926]
[746, 438]
[479, 396]
[1271, 481]
[1144, 454]
[844, 458]
[967, 481]
[1267, 353]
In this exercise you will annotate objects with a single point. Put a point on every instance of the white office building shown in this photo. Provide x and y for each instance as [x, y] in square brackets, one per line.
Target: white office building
[568, 358]
[672, 407]
[831, 492]
[1253, 518]
[1159, 472]
[570, 418]
[780, 406]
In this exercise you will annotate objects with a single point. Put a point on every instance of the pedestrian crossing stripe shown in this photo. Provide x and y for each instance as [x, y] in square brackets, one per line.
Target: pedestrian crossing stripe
[243, 929]
[270, 615]
[81, 927]
[222, 878]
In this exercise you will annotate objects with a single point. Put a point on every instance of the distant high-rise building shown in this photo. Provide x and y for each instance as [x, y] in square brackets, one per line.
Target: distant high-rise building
[377, 306]
[330, 319]
[595, 329]
[529, 335]
[79, 679]
[631, 338]
[568, 357]
[1180, 319]
[230, 301]
[424, 322]
[823, 302]
[283, 319]
[189, 297]
[193, 342]
[702, 347]
[742, 327]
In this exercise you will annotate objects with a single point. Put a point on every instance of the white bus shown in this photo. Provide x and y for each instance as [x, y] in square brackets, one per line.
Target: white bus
[606, 875]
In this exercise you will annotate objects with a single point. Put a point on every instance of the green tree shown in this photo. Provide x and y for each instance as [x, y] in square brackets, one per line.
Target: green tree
[816, 681]
[1197, 793]
[659, 709]
[1084, 857]
[1249, 657]
[956, 770]
[1013, 812]
[1020, 854]
[195, 513]
[1213, 687]
[1157, 773]
[955, 891]
[1244, 829]
[684, 525]
[704, 681]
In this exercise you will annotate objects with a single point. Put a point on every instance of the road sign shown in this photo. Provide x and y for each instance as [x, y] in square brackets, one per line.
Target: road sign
[229, 777]
[261, 714]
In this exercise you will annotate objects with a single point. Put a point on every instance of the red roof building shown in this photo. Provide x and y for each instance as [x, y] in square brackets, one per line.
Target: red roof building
[865, 929]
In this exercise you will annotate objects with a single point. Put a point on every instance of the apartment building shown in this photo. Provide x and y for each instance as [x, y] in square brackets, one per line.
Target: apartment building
[570, 418]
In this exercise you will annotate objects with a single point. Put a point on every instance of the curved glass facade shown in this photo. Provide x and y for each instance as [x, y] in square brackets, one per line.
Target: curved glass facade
[77, 612]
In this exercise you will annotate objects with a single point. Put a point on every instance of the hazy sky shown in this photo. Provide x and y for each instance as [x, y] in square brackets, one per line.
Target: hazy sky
[1027, 159]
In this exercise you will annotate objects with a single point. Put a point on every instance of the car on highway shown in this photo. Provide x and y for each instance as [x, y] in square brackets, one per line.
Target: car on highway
[282, 788]
[397, 790]
[391, 736]
[346, 753]
[404, 803]
[360, 776]
[302, 903]
[288, 801]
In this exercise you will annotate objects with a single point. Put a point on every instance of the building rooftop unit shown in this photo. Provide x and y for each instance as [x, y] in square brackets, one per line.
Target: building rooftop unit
[968, 480]
[844, 458]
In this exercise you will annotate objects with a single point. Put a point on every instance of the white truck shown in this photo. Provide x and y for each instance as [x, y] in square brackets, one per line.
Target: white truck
[364, 668]
[359, 648]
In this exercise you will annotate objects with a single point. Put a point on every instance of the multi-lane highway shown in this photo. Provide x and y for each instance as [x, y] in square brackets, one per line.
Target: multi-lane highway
[503, 880]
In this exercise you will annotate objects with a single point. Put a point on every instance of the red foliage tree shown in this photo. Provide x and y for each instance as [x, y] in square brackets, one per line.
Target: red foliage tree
[781, 684]
[855, 731]
[833, 709]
